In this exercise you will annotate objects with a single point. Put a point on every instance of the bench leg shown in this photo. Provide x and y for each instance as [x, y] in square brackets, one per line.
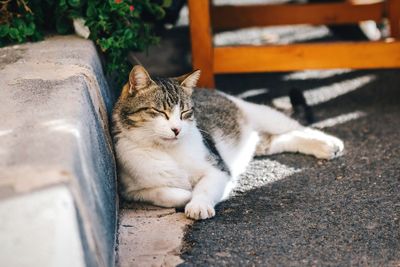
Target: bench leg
[393, 10]
[201, 39]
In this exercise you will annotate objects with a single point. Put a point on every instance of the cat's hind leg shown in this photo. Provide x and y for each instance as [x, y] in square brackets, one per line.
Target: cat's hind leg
[266, 119]
[306, 140]
[280, 133]
[168, 197]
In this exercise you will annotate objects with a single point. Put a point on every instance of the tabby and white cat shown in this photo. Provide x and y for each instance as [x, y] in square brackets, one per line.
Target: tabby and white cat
[178, 146]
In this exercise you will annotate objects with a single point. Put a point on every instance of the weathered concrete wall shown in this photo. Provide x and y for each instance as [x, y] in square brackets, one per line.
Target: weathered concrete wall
[57, 169]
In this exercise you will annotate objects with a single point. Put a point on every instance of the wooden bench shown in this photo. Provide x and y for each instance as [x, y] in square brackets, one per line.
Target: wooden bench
[204, 18]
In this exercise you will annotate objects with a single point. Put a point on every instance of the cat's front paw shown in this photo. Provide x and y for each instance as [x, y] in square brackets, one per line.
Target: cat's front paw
[199, 209]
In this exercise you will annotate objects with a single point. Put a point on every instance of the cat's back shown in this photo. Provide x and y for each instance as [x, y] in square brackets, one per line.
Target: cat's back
[215, 112]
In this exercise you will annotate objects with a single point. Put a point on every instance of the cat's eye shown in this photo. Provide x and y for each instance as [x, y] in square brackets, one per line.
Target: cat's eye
[131, 112]
[186, 114]
[161, 112]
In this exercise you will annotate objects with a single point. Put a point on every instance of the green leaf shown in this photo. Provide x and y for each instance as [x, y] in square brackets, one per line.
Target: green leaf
[128, 34]
[17, 22]
[167, 3]
[91, 11]
[4, 30]
[62, 3]
[30, 29]
[158, 11]
[74, 3]
[13, 33]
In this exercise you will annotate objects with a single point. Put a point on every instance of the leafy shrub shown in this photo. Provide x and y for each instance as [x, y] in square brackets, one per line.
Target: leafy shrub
[116, 26]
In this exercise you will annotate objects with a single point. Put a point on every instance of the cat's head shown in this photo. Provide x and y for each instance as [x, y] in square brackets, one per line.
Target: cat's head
[157, 109]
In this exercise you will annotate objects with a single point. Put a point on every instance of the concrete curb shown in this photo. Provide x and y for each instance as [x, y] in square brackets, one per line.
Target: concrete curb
[57, 171]
[150, 236]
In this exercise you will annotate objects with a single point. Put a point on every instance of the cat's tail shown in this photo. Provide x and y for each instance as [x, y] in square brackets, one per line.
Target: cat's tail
[266, 119]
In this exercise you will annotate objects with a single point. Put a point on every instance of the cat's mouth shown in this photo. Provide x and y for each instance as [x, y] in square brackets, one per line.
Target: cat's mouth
[169, 139]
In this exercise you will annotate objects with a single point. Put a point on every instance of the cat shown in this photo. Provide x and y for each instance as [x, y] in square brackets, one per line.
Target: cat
[180, 146]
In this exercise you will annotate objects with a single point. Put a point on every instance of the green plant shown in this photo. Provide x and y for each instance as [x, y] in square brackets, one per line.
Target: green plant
[116, 26]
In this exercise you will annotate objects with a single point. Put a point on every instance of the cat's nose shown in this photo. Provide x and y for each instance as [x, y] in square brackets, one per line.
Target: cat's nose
[176, 131]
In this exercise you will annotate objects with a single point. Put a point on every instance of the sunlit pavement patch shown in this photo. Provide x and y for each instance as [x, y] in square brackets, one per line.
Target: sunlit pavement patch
[263, 171]
[150, 236]
[326, 93]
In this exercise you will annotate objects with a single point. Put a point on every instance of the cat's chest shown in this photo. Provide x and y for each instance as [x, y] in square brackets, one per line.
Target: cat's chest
[188, 159]
[191, 159]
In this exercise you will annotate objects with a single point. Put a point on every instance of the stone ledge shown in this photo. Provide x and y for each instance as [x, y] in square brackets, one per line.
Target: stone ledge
[54, 137]
[150, 236]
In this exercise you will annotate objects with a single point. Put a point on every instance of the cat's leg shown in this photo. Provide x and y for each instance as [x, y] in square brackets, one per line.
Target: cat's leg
[307, 141]
[281, 133]
[169, 197]
[266, 119]
[206, 194]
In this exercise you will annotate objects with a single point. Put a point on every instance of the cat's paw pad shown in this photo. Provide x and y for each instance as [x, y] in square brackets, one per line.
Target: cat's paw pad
[199, 210]
[328, 148]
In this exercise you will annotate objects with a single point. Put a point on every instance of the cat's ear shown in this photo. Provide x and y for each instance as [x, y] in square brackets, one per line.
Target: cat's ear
[189, 80]
[139, 79]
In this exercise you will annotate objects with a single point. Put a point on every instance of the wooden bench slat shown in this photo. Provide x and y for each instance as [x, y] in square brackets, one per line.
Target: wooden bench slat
[357, 55]
[231, 17]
